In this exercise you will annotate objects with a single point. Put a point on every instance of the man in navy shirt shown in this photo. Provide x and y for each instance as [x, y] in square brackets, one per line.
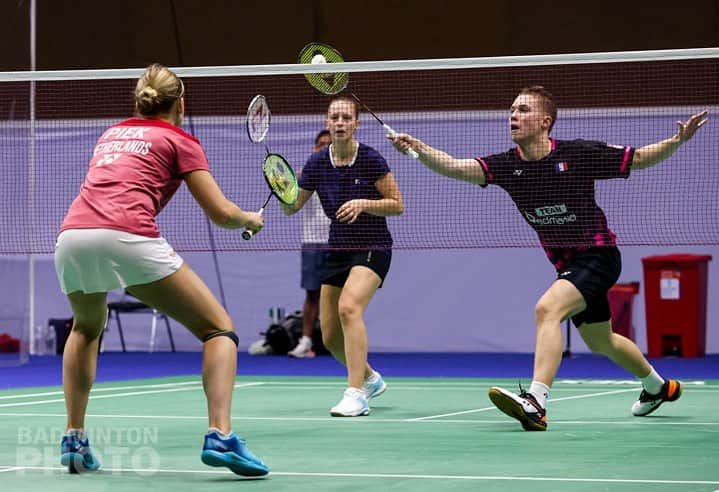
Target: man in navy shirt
[552, 184]
[357, 191]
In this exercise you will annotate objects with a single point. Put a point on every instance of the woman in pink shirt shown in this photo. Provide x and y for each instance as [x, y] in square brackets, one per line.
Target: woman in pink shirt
[110, 240]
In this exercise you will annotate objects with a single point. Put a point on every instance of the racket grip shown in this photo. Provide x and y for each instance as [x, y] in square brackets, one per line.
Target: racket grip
[247, 234]
[410, 152]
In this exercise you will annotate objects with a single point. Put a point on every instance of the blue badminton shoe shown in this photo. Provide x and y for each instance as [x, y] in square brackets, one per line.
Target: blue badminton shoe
[233, 453]
[76, 454]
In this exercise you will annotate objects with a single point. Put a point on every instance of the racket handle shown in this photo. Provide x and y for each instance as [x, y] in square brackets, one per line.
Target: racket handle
[247, 234]
[410, 152]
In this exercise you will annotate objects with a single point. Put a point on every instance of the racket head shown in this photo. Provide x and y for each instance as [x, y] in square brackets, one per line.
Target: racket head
[281, 178]
[326, 83]
[258, 119]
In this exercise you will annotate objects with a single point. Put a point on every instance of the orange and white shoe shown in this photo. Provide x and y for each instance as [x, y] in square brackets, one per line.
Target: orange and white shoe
[647, 403]
[303, 349]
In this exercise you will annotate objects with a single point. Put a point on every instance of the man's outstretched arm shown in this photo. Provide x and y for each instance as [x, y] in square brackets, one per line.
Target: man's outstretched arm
[655, 153]
[438, 161]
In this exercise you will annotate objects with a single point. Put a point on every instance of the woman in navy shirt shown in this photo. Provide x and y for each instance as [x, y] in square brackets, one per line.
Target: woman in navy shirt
[357, 191]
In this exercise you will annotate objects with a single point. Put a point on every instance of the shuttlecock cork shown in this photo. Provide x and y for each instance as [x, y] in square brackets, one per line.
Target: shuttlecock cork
[319, 58]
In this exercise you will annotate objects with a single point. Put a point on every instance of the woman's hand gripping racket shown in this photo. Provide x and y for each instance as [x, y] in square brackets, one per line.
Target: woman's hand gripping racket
[277, 172]
[335, 82]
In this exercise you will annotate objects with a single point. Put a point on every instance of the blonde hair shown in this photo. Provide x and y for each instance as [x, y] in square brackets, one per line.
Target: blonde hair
[157, 90]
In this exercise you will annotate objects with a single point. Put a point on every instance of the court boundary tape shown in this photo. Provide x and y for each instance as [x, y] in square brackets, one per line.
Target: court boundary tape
[402, 476]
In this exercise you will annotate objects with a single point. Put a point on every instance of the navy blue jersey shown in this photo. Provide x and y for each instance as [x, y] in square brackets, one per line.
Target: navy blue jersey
[555, 194]
[337, 185]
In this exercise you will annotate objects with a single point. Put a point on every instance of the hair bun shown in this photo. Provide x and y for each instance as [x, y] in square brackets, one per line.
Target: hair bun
[148, 92]
[157, 91]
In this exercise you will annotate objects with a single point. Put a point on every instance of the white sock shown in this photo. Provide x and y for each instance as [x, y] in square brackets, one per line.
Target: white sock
[540, 392]
[653, 382]
[219, 432]
[305, 341]
[79, 433]
[372, 378]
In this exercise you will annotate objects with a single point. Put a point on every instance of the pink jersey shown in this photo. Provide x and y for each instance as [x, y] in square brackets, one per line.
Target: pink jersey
[136, 167]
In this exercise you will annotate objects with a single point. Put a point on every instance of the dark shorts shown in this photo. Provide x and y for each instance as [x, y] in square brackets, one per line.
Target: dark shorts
[313, 266]
[339, 264]
[593, 272]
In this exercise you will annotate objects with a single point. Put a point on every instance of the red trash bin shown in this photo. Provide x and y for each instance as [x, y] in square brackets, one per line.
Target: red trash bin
[621, 303]
[675, 291]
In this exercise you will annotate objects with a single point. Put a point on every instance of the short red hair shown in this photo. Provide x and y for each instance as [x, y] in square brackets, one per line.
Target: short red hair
[547, 100]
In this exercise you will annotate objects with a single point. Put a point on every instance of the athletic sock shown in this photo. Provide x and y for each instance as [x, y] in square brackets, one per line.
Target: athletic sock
[219, 433]
[78, 433]
[372, 378]
[540, 392]
[652, 383]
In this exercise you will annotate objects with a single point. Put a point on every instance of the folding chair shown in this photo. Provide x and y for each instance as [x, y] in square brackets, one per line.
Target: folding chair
[129, 304]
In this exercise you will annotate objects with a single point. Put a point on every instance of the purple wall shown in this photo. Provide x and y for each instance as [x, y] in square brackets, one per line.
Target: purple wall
[457, 300]
[433, 300]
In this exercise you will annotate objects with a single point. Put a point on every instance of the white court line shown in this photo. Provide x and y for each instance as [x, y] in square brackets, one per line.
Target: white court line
[94, 390]
[298, 385]
[13, 468]
[482, 387]
[115, 395]
[553, 400]
[358, 421]
[569, 385]
[403, 476]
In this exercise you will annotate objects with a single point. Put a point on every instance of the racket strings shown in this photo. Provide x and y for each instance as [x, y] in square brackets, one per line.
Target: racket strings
[339, 80]
[281, 178]
[258, 119]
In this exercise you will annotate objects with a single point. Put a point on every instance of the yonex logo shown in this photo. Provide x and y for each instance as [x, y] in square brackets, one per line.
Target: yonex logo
[564, 274]
[518, 172]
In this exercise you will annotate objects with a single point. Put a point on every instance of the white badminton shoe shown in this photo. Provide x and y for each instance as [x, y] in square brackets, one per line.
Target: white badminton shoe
[353, 404]
[374, 385]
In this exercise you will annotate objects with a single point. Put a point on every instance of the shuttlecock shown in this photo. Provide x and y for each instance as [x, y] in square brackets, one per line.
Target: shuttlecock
[319, 58]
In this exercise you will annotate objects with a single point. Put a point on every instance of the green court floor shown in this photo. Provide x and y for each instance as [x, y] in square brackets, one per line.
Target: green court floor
[423, 434]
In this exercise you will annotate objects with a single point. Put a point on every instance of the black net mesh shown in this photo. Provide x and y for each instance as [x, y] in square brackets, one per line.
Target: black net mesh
[461, 111]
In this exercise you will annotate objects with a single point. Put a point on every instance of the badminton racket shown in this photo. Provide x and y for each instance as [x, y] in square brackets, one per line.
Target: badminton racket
[282, 182]
[278, 174]
[335, 82]
[258, 120]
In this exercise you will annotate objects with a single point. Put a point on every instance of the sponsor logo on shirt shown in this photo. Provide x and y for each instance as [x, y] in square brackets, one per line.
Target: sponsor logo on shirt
[615, 146]
[120, 140]
[551, 210]
[518, 172]
[550, 215]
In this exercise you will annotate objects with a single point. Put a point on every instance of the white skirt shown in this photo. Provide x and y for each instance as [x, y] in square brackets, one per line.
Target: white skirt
[101, 260]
